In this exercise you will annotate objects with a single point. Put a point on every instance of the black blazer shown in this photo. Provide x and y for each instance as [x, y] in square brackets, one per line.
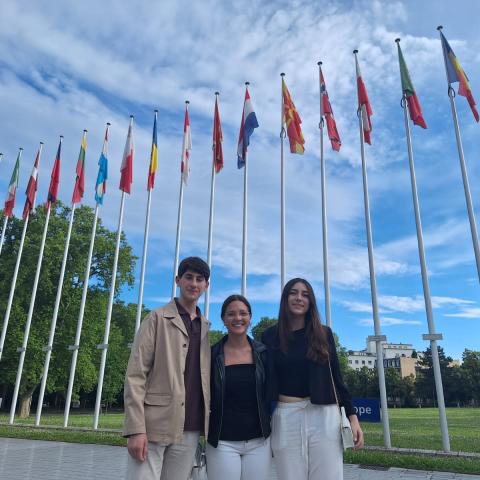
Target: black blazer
[321, 389]
[217, 388]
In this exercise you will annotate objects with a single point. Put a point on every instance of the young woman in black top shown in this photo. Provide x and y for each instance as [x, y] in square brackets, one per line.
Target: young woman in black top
[306, 439]
[238, 439]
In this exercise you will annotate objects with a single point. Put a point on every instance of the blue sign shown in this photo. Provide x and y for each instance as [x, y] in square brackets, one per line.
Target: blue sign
[367, 409]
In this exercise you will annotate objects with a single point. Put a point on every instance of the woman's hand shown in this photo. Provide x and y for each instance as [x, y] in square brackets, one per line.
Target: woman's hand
[357, 432]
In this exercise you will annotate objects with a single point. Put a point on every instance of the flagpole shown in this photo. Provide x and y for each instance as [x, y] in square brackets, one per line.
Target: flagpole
[432, 336]
[26, 334]
[179, 220]
[466, 185]
[15, 275]
[48, 348]
[210, 226]
[282, 193]
[104, 346]
[5, 221]
[326, 282]
[75, 347]
[138, 317]
[378, 337]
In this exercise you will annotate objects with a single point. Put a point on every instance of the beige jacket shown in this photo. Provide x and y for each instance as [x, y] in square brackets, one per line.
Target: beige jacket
[154, 391]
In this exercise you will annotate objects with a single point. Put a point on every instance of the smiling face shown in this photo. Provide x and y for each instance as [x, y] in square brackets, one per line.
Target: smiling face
[237, 318]
[298, 300]
[192, 285]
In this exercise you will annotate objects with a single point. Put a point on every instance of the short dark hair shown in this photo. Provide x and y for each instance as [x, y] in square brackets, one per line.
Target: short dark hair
[234, 298]
[195, 264]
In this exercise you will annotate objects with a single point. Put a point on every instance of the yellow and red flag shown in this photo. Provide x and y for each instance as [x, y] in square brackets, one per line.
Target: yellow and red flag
[292, 121]
[217, 140]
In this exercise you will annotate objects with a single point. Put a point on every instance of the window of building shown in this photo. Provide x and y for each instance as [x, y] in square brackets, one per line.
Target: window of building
[356, 362]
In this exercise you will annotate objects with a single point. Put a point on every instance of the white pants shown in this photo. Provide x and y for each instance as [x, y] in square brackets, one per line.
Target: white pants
[244, 460]
[306, 441]
[165, 462]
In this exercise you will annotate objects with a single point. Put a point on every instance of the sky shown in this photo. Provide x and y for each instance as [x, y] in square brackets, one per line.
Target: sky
[82, 64]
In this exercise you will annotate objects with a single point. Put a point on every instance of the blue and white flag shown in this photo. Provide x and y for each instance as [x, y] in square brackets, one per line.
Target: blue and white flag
[248, 125]
[101, 184]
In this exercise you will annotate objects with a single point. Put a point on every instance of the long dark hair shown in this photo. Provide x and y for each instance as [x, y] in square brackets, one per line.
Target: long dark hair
[315, 332]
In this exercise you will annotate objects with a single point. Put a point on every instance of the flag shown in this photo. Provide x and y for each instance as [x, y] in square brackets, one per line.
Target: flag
[153, 156]
[12, 188]
[292, 120]
[80, 180]
[126, 169]
[327, 112]
[409, 91]
[55, 179]
[247, 126]
[455, 73]
[364, 105]
[217, 139]
[101, 183]
[31, 188]
[186, 147]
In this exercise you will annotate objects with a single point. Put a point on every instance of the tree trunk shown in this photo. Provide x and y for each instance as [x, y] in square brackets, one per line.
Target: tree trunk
[25, 404]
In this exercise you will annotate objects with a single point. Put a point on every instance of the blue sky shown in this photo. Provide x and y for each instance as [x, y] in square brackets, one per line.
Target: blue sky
[81, 64]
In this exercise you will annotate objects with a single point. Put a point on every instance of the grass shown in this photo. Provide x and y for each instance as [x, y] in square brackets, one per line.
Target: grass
[410, 428]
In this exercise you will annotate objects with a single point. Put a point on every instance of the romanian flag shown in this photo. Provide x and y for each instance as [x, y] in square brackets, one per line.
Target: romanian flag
[327, 112]
[186, 147]
[407, 88]
[31, 187]
[101, 183]
[126, 169]
[12, 188]
[217, 139]
[153, 156]
[55, 178]
[364, 105]
[80, 180]
[455, 73]
[292, 121]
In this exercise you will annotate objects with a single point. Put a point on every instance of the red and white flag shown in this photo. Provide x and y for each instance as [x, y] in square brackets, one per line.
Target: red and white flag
[186, 147]
[31, 188]
[126, 169]
[364, 105]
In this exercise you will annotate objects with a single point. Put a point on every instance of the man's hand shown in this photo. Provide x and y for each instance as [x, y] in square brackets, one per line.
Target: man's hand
[138, 446]
[357, 432]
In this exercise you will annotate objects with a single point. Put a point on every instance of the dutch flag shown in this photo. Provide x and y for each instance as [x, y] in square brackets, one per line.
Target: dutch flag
[248, 125]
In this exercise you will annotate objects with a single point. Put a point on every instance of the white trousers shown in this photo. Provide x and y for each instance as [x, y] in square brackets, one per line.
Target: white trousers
[306, 441]
[165, 462]
[244, 460]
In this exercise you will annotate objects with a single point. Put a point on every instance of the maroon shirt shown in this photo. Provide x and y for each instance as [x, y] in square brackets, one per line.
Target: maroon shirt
[194, 407]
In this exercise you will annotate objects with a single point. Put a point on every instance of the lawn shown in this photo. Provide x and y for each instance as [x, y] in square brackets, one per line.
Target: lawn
[410, 428]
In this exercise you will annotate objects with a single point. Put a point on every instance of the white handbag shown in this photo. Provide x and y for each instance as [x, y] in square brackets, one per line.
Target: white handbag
[199, 470]
[345, 427]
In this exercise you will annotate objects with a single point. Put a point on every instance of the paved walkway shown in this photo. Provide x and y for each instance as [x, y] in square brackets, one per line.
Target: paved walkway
[40, 460]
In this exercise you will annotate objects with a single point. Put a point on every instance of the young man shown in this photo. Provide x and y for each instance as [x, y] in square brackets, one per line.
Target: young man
[167, 384]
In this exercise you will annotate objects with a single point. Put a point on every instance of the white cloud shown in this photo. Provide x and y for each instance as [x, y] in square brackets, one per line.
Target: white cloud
[388, 322]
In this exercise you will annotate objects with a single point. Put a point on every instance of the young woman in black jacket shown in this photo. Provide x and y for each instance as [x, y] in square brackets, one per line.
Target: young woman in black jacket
[306, 439]
[238, 445]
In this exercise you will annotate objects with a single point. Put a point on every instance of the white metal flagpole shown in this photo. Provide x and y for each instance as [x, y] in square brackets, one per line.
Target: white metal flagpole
[48, 348]
[99, 193]
[210, 225]
[432, 335]
[104, 345]
[283, 134]
[15, 271]
[138, 316]
[326, 282]
[463, 167]
[244, 236]
[4, 229]
[184, 173]
[378, 338]
[26, 334]
[75, 347]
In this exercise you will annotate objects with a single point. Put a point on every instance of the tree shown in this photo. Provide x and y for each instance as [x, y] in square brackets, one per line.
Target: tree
[96, 306]
[471, 375]
[261, 326]
[215, 336]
